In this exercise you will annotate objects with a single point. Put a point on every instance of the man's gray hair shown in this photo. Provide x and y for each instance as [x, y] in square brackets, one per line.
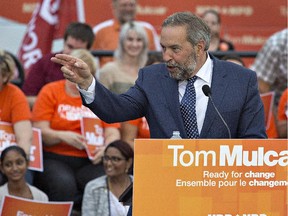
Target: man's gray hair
[197, 29]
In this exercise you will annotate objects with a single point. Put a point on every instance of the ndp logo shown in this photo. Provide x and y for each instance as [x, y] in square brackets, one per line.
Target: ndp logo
[237, 215]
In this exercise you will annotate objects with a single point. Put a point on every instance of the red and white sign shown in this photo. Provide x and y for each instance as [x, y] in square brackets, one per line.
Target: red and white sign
[92, 130]
[7, 138]
[49, 21]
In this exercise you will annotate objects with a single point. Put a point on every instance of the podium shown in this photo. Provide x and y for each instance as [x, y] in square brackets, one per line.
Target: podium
[210, 177]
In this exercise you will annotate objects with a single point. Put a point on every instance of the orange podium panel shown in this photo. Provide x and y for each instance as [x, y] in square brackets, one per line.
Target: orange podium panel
[210, 177]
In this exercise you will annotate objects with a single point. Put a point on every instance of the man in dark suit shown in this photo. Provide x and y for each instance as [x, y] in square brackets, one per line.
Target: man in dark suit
[160, 88]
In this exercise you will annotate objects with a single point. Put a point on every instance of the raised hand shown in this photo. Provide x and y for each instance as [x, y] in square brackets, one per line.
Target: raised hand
[74, 69]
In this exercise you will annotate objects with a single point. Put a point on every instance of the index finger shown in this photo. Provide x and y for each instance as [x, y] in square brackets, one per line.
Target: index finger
[63, 59]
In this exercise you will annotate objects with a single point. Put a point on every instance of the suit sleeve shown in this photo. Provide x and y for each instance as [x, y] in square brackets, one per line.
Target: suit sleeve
[252, 123]
[112, 108]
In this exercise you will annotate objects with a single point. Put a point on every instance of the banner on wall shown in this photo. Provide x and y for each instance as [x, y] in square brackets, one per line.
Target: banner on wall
[7, 138]
[49, 21]
[210, 177]
[18, 206]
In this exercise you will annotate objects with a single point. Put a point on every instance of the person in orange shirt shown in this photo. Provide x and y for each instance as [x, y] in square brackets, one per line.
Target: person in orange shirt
[107, 32]
[14, 107]
[283, 115]
[67, 167]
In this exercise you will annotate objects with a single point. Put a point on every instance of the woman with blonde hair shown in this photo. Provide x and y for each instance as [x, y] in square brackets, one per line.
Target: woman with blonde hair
[131, 54]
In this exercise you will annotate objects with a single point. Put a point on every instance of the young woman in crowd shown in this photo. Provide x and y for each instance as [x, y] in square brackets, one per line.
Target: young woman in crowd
[101, 196]
[14, 165]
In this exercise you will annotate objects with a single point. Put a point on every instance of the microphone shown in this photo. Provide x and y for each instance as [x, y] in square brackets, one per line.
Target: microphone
[207, 91]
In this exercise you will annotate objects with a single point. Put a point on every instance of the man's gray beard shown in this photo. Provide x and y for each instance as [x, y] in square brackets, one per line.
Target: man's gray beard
[183, 74]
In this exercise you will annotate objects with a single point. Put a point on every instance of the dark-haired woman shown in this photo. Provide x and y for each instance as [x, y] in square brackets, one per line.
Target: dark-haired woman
[102, 194]
[14, 165]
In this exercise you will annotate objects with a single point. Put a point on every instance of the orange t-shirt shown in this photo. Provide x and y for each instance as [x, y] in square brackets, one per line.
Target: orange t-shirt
[143, 127]
[14, 106]
[63, 112]
[283, 106]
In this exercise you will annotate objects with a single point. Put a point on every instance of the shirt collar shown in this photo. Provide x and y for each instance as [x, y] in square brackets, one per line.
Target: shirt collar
[205, 72]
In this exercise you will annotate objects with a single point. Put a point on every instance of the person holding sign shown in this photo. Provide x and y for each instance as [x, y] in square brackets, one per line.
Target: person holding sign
[102, 194]
[14, 165]
[57, 112]
[14, 108]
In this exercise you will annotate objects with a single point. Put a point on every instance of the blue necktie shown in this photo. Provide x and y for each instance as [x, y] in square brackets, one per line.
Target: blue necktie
[188, 109]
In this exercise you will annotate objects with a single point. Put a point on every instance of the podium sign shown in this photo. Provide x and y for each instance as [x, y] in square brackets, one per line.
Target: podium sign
[210, 177]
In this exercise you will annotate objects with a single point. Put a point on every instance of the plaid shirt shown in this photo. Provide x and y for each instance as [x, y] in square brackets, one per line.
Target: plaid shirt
[271, 62]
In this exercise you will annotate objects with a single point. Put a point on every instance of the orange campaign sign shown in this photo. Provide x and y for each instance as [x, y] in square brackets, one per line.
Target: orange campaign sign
[7, 138]
[92, 130]
[268, 100]
[24, 207]
[210, 177]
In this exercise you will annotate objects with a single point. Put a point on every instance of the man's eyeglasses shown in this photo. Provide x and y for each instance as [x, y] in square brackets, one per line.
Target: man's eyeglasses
[113, 159]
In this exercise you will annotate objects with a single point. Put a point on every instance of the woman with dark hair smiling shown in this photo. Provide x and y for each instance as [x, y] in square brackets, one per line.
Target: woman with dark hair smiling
[14, 165]
[102, 194]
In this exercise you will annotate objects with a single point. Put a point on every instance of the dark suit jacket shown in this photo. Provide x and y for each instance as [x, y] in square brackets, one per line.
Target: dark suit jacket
[155, 96]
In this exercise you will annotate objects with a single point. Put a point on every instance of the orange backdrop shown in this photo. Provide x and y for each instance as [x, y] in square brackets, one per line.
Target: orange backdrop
[246, 23]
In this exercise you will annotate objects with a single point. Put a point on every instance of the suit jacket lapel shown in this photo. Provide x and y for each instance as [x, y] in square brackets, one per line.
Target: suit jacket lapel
[171, 93]
[218, 87]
